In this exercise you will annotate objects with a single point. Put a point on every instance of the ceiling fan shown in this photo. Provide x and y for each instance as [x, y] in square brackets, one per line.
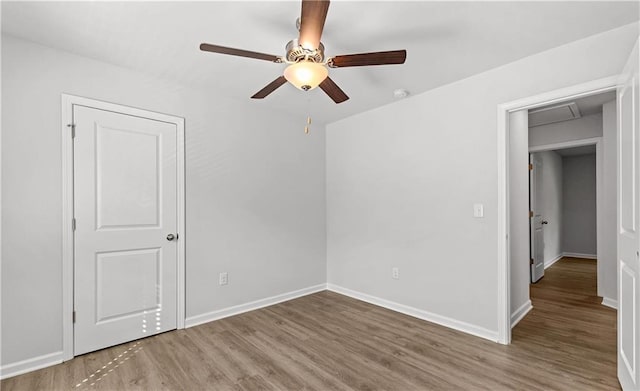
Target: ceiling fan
[305, 56]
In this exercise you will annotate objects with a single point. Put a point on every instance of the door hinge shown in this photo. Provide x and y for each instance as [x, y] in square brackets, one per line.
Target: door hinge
[73, 224]
[73, 130]
[74, 316]
[531, 261]
[530, 213]
[530, 166]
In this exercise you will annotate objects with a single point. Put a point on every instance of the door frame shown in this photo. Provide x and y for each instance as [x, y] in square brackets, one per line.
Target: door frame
[67, 103]
[597, 141]
[503, 110]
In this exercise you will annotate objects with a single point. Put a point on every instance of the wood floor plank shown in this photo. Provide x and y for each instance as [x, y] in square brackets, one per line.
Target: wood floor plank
[327, 341]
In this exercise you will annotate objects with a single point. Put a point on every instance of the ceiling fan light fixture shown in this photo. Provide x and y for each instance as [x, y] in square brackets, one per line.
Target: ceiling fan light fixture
[307, 66]
[306, 75]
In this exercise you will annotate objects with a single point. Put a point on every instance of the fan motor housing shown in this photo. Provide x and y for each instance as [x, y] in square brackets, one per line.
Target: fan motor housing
[296, 53]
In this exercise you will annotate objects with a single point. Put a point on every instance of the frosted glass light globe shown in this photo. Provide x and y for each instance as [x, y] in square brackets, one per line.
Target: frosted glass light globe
[306, 75]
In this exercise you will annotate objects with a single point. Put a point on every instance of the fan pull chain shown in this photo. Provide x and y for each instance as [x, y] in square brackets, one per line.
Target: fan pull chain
[307, 128]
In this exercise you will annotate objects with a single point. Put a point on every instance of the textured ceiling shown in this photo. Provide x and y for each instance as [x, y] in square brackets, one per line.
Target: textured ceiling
[445, 41]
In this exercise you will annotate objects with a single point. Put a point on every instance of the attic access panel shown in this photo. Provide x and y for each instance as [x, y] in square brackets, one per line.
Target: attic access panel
[552, 114]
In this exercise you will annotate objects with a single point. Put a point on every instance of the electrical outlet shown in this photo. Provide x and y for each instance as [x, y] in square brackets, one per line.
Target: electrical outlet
[395, 273]
[224, 278]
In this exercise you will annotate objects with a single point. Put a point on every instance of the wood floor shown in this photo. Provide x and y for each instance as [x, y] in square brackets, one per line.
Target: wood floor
[326, 341]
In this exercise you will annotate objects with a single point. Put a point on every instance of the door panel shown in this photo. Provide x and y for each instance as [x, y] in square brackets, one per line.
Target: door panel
[628, 237]
[125, 175]
[627, 320]
[126, 283]
[537, 227]
[126, 159]
[627, 155]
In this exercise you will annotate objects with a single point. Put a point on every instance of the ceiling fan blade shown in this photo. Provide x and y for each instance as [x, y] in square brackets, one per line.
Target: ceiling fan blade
[274, 85]
[238, 52]
[312, 17]
[363, 59]
[332, 89]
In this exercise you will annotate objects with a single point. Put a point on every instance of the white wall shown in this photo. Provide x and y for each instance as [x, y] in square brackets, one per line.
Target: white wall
[579, 234]
[519, 209]
[402, 179]
[578, 129]
[607, 248]
[255, 191]
[552, 204]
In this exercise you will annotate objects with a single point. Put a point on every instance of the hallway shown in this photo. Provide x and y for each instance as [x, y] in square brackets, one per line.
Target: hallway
[568, 327]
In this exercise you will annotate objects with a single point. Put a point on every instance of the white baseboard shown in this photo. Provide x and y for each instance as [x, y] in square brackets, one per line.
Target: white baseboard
[578, 255]
[254, 305]
[31, 364]
[418, 313]
[610, 303]
[521, 312]
[550, 262]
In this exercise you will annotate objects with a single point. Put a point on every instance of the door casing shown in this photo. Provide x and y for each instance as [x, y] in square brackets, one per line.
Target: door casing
[503, 110]
[66, 129]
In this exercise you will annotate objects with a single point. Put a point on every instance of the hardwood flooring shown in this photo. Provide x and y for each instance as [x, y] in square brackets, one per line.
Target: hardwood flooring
[327, 341]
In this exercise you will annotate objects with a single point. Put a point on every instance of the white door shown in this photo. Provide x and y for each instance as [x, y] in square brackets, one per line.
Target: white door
[627, 222]
[537, 223]
[125, 172]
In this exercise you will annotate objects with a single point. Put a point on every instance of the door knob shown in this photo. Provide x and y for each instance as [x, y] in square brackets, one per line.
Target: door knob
[545, 222]
[170, 237]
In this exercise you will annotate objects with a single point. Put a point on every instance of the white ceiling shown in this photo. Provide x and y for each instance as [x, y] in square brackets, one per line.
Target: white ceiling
[445, 41]
[577, 151]
[593, 104]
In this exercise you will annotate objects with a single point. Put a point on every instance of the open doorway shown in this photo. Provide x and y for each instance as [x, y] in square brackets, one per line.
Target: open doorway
[571, 202]
[512, 157]
[563, 218]
[563, 196]
[569, 148]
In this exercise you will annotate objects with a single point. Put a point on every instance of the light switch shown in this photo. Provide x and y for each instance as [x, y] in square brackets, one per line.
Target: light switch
[478, 210]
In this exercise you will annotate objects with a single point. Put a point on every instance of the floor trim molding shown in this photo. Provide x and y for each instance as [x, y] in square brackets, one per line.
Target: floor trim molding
[578, 255]
[418, 313]
[548, 264]
[253, 305]
[521, 312]
[30, 364]
[610, 303]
